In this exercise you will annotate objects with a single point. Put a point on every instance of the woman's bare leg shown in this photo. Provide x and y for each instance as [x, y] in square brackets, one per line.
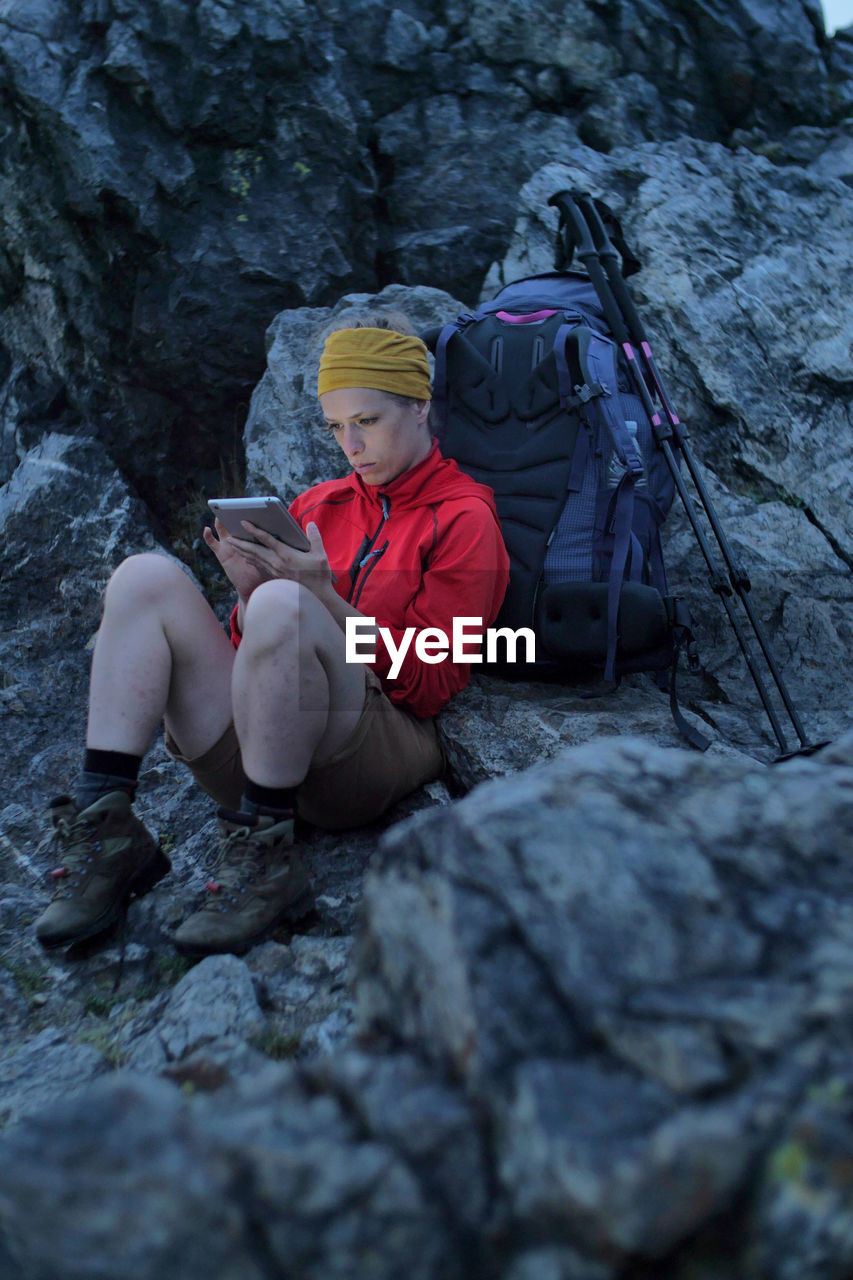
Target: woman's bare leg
[160, 651]
[295, 697]
[295, 700]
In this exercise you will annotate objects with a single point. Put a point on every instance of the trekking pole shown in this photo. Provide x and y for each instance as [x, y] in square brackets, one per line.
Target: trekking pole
[600, 259]
[737, 574]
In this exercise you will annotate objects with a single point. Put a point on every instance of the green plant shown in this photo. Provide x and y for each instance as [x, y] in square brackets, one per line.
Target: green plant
[790, 499]
[171, 967]
[245, 165]
[276, 1044]
[830, 1092]
[100, 1038]
[100, 1006]
[30, 981]
[789, 1162]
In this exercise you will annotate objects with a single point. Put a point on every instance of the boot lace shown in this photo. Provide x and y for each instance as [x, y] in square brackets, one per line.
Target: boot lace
[238, 864]
[77, 847]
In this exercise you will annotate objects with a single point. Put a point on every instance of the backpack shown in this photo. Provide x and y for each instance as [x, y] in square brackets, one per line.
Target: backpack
[533, 397]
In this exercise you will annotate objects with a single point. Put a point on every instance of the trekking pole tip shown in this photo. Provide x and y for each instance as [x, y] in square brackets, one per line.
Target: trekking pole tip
[805, 749]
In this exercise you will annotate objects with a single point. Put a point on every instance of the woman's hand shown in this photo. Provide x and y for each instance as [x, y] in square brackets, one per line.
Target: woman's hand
[242, 574]
[269, 557]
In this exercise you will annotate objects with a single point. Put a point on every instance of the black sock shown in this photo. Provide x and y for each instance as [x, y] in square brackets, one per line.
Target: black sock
[276, 802]
[105, 771]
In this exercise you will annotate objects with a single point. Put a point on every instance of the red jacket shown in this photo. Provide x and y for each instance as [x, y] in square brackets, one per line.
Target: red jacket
[415, 553]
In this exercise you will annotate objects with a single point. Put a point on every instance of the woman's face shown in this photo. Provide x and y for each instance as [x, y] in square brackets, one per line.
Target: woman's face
[380, 436]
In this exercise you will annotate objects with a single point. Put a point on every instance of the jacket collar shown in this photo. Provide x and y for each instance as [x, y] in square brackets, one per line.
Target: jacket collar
[410, 488]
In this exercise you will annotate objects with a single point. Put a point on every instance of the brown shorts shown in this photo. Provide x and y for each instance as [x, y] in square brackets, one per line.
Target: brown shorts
[388, 754]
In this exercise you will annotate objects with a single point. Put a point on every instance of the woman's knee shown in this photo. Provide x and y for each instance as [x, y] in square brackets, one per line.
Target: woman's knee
[145, 580]
[277, 612]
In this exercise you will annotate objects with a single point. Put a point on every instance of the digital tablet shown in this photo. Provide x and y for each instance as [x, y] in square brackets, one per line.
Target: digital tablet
[269, 514]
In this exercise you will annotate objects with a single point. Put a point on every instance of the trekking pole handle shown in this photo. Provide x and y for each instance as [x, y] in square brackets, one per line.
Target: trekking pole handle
[610, 258]
[569, 214]
[587, 252]
[600, 238]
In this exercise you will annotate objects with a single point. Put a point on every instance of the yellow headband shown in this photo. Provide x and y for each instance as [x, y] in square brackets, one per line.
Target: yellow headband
[381, 359]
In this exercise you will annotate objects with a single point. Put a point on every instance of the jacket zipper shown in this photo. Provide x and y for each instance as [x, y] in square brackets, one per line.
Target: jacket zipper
[366, 555]
[372, 557]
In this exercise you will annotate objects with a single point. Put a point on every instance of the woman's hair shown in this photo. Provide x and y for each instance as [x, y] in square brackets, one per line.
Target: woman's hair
[394, 321]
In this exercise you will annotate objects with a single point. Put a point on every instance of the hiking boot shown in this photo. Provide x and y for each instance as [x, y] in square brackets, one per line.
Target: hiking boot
[259, 883]
[107, 857]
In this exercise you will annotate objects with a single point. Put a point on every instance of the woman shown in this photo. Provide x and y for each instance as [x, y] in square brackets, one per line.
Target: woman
[276, 721]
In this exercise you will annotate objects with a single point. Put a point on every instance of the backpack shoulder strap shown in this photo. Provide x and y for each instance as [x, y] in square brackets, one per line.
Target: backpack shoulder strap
[591, 358]
[596, 356]
[439, 380]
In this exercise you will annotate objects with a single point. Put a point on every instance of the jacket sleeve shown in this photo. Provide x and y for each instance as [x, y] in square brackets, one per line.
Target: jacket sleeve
[236, 633]
[466, 577]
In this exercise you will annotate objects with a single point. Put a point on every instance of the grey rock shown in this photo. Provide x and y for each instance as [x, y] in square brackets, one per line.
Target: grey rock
[708, 821]
[598, 1151]
[800, 1219]
[330, 1034]
[840, 62]
[172, 179]
[629, 934]
[257, 103]
[191, 1219]
[13, 1006]
[637, 1010]
[422, 1119]
[557, 1262]
[604, 883]
[447, 241]
[215, 1001]
[67, 520]
[497, 727]
[15, 832]
[282, 1182]
[304, 991]
[826, 153]
[406, 41]
[36, 1072]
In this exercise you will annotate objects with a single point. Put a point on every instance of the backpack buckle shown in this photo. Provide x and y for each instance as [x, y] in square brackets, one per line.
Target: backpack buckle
[587, 392]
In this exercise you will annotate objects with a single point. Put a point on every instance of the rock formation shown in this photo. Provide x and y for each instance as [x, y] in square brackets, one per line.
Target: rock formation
[614, 1042]
[586, 1020]
[162, 163]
